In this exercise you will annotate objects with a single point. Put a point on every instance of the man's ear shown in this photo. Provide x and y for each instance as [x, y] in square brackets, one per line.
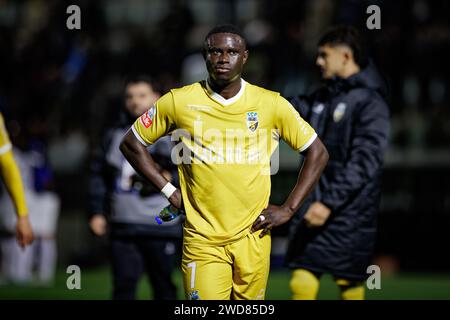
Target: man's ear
[348, 55]
[245, 56]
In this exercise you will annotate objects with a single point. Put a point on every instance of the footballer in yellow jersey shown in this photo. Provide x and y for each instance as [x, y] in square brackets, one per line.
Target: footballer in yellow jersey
[10, 175]
[226, 147]
[226, 130]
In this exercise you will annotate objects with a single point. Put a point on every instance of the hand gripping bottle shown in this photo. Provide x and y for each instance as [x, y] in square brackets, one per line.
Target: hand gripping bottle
[169, 213]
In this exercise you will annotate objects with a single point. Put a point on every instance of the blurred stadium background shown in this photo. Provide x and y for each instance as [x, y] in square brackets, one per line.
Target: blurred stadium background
[63, 87]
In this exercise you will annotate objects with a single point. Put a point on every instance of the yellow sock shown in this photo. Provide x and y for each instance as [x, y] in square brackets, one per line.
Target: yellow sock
[350, 290]
[304, 285]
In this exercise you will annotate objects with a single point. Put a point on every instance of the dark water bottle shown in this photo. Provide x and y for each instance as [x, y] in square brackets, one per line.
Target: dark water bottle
[169, 213]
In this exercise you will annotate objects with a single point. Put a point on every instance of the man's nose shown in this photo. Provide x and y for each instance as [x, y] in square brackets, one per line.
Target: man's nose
[224, 58]
[318, 62]
[134, 103]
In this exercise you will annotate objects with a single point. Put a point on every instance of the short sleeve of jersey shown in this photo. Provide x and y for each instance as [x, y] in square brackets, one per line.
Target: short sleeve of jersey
[158, 121]
[5, 144]
[293, 129]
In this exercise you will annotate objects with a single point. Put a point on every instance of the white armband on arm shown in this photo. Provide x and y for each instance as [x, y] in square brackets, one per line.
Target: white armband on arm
[168, 190]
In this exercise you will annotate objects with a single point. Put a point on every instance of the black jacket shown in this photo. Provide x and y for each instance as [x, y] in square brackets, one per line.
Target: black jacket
[352, 119]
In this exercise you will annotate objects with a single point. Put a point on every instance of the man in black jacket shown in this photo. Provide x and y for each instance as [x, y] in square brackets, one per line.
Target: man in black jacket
[124, 203]
[335, 229]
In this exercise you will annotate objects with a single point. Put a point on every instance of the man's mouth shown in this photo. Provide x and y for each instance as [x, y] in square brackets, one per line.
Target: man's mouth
[221, 70]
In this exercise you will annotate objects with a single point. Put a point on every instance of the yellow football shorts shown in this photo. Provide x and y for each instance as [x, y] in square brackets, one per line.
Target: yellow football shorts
[236, 271]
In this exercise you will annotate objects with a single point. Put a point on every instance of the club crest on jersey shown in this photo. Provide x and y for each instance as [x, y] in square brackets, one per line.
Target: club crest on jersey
[147, 118]
[339, 112]
[252, 121]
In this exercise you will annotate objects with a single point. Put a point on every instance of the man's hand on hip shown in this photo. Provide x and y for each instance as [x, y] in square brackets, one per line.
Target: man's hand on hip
[270, 217]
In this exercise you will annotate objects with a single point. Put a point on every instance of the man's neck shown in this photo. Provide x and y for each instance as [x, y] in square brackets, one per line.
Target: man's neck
[228, 90]
[349, 71]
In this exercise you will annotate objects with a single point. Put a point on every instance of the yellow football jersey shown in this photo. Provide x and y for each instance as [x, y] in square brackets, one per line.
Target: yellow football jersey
[5, 144]
[223, 148]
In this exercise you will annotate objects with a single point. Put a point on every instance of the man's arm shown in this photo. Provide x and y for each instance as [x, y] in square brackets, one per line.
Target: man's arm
[11, 176]
[316, 158]
[140, 159]
[98, 189]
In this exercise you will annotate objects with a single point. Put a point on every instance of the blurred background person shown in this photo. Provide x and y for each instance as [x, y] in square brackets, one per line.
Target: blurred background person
[35, 264]
[335, 230]
[123, 201]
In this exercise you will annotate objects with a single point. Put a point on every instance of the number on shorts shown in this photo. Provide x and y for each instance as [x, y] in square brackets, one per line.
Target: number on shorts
[193, 266]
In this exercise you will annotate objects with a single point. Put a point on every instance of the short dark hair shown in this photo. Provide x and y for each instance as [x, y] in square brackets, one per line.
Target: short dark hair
[227, 28]
[348, 36]
[139, 78]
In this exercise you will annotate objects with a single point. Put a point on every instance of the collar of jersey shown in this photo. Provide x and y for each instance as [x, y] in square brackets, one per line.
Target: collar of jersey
[218, 98]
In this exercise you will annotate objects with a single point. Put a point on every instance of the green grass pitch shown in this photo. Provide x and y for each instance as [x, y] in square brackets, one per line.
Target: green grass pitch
[96, 284]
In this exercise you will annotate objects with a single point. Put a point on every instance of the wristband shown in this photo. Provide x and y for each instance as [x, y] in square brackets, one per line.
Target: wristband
[168, 190]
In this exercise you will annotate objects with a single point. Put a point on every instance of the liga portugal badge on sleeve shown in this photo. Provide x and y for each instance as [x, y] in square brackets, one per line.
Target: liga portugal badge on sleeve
[148, 117]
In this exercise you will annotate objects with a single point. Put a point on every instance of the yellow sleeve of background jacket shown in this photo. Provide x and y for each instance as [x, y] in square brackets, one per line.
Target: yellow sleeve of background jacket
[10, 173]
